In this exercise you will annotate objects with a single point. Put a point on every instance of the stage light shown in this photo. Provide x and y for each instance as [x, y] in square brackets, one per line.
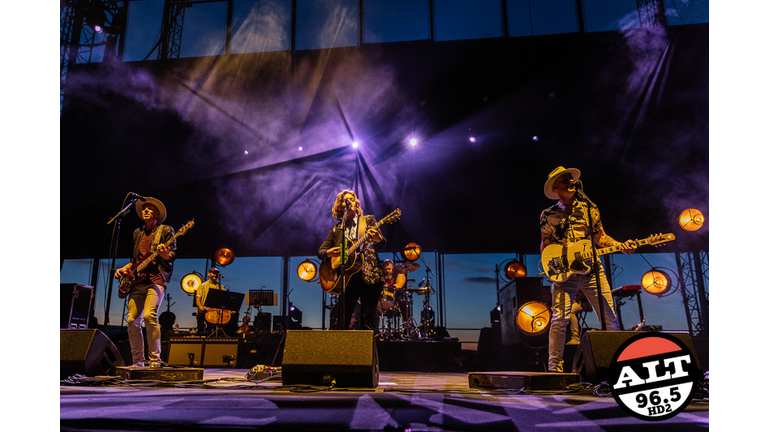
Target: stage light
[656, 282]
[472, 139]
[95, 18]
[307, 270]
[412, 251]
[224, 256]
[533, 318]
[355, 144]
[413, 142]
[295, 316]
[301, 148]
[535, 137]
[691, 219]
[191, 282]
[514, 269]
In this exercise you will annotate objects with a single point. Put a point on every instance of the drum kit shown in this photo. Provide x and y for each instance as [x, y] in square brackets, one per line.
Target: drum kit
[396, 307]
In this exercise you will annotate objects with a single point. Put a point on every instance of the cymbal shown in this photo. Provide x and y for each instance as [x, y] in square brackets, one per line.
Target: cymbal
[407, 267]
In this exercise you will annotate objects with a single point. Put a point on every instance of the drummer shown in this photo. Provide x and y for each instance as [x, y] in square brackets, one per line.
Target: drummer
[392, 279]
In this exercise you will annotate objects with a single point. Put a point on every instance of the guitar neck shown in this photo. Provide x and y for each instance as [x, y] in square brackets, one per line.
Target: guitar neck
[149, 258]
[612, 249]
[359, 242]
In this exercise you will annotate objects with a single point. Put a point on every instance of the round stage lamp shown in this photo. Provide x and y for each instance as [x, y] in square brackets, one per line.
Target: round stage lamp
[412, 251]
[190, 282]
[224, 256]
[307, 270]
[656, 282]
[691, 219]
[514, 269]
[533, 318]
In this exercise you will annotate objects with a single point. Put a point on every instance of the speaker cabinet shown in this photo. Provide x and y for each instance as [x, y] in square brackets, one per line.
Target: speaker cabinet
[592, 360]
[185, 352]
[87, 352]
[207, 352]
[76, 301]
[515, 294]
[348, 357]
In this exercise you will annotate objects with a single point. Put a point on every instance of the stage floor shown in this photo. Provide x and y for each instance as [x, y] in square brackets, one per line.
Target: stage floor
[231, 399]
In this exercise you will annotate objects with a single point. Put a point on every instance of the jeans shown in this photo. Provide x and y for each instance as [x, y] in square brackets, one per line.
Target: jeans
[562, 300]
[143, 302]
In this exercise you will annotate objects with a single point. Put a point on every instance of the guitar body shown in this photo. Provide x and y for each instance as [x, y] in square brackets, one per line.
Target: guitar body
[136, 275]
[330, 277]
[128, 281]
[564, 261]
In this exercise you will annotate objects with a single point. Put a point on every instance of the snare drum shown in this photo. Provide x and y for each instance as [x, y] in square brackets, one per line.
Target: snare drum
[387, 299]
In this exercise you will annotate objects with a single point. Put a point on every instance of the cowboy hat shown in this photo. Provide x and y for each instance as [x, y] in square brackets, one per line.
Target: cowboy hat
[154, 201]
[554, 175]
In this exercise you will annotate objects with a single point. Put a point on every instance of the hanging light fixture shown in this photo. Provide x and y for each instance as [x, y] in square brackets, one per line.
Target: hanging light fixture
[691, 219]
[224, 256]
[656, 282]
[412, 251]
[533, 318]
[307, 270]
[191, 282]
[514, 269]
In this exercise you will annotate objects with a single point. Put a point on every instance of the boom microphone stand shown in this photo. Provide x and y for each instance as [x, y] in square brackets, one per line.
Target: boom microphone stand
[117, 219]
[596, 265]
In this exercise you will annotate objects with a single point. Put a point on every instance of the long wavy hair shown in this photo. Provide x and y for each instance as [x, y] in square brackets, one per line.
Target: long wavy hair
[338, 209]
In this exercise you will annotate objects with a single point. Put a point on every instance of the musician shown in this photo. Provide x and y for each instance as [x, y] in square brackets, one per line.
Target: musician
[366, 284]
[213, 282]
[565, 223]
[145, 297]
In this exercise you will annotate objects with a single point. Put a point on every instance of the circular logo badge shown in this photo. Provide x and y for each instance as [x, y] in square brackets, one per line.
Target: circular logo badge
[653, 376]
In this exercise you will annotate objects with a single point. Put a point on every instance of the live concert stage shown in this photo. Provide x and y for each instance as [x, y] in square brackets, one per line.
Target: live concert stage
[331, 380]
[227, 399]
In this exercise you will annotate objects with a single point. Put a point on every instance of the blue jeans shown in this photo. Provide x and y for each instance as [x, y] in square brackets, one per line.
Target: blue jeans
[562, 301]
[143, 302]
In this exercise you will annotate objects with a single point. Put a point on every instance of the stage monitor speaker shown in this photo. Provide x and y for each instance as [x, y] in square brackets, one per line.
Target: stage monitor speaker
[185, 352]
[592, 360]
[346, 357]
[87, 352]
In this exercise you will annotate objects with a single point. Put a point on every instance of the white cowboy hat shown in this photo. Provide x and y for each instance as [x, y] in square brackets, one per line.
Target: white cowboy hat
[157, 203]
[554, 175]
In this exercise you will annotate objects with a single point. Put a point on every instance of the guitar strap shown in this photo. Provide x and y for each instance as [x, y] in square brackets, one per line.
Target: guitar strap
[156, 240]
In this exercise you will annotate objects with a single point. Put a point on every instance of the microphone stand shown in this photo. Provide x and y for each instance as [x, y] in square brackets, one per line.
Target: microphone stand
[595, 259]
[117, 219]
[342, 264]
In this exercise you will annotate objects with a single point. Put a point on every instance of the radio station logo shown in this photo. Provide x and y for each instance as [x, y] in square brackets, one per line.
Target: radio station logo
[653, 376]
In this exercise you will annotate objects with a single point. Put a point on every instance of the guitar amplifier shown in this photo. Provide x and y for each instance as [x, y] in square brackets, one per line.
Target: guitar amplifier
[205, 352]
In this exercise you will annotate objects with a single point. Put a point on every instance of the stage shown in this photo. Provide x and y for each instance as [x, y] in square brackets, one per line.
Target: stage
[236, 399]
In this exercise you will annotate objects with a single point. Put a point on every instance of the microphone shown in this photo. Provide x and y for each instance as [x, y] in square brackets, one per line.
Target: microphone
[617, 266]
[576, 184]
[141, 198]
[421, 284]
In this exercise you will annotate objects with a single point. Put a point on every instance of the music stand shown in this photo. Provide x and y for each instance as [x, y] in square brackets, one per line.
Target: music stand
[224, 300]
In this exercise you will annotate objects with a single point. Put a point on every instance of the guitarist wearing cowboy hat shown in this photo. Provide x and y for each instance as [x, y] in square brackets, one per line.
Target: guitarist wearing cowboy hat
[146, 295]
[565, 223]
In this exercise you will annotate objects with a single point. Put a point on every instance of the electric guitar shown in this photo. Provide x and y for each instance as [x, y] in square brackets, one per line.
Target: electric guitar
[560, 262]
[330, 271]
[135, 275]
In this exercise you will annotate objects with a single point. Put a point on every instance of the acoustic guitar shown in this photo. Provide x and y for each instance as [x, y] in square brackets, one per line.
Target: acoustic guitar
[332, 270]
